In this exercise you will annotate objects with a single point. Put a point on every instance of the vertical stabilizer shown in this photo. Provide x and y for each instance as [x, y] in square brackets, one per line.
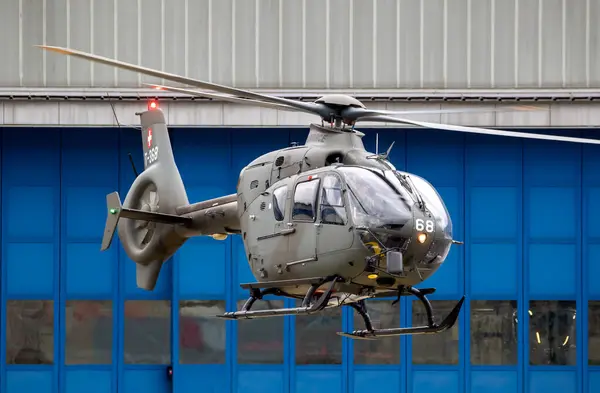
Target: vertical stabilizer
[149, 236]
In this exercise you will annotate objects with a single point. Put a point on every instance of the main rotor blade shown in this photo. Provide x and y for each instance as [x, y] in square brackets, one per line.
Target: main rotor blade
[510, 108]
[477, 130]
[309, 107]
[224, 97]
[358, 113]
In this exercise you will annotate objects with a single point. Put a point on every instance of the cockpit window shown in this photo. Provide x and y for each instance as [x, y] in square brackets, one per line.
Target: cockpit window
[332, 201]
[305, 200]
[279, 196]
[433, 200]
[377, 197]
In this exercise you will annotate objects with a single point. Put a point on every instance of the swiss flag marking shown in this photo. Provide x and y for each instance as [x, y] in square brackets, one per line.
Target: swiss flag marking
[149, 137]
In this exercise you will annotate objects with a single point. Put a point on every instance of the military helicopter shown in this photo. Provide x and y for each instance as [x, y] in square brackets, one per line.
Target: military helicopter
[327, 222]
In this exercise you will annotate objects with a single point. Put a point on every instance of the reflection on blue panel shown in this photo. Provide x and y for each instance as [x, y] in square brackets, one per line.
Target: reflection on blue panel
[202, 264]
[382, 380]
[30, 269]
[196, 378]
[318, 381]
[89, 271]
[494, 212]
[592, 258]
[88, 381]
[553, 381]
[30, 212]
[494, 270]
[26, 381]
[146, 381]
[494, 382]
[549, 263]
[552, 212]
[435, 381]
[260, 381]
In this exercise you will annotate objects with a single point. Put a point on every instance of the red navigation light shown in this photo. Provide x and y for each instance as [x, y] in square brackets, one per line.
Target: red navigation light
[152, 104]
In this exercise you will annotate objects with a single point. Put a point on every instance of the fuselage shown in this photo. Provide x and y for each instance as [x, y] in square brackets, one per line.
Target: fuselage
[330, 207]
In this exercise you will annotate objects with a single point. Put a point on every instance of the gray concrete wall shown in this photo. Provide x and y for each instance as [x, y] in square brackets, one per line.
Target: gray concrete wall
[315, 44]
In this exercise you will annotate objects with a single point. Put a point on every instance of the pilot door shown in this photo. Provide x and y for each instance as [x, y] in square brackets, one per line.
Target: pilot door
[303, 218]
[332, 228]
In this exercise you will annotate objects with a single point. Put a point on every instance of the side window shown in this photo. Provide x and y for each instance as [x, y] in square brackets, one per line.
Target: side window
[332, 201]
[279, 196]
[305, 201]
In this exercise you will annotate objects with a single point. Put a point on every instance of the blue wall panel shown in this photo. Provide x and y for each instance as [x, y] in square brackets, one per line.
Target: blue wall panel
[89, 171]
[93, 381]
[426, 153]
[526, 210]
[494, 382]
[435, 381]
[30, 255]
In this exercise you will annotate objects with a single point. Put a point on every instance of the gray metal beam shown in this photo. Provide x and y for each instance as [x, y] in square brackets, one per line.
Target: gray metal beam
[214, 114]
[311, 94]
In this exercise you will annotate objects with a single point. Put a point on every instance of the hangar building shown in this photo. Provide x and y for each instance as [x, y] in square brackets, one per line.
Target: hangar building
[72, 319]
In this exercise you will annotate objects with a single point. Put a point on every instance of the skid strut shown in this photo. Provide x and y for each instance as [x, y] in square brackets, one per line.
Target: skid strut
[307, 307]
[369, 333]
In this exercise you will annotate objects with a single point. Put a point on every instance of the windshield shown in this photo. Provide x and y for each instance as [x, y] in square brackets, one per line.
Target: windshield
[433, 201]
[376, 197]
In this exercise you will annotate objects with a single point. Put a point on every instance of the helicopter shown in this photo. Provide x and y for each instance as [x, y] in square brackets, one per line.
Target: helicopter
[327, 223]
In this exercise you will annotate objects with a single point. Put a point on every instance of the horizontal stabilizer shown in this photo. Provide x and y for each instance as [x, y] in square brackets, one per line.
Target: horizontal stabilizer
[113, 203]
[116, 211]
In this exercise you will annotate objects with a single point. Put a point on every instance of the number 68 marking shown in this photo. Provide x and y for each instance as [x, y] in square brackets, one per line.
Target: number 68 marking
[426, 225]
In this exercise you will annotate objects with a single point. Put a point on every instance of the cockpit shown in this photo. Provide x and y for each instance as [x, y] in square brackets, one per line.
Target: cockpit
[399, 211]
[388, 199]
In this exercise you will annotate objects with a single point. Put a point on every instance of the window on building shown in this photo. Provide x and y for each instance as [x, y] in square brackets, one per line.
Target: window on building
[332, 201]
[384, 351]
[30, 332]
[305, 201]
[279, 198]
[317, 341]
[494, 332]
[441, 348]
[552, 332]
[201, 334]
[594, 333]
[89, 332]
[260, 340]
[147, 335]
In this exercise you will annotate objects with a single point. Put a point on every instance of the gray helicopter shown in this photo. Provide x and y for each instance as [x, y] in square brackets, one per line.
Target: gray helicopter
[327, 223]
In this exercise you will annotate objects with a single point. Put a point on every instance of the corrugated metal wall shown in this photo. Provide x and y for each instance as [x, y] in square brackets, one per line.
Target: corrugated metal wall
[308, 43]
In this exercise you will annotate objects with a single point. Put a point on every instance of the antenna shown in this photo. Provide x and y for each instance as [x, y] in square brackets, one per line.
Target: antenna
[376, 143]
[135, 172]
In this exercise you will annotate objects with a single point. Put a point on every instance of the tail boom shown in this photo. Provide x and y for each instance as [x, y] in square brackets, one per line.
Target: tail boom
[159, 217]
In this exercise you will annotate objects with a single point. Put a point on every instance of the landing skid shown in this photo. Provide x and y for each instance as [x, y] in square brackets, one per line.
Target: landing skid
[314, 302]
[432, 328]
[308, 306]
